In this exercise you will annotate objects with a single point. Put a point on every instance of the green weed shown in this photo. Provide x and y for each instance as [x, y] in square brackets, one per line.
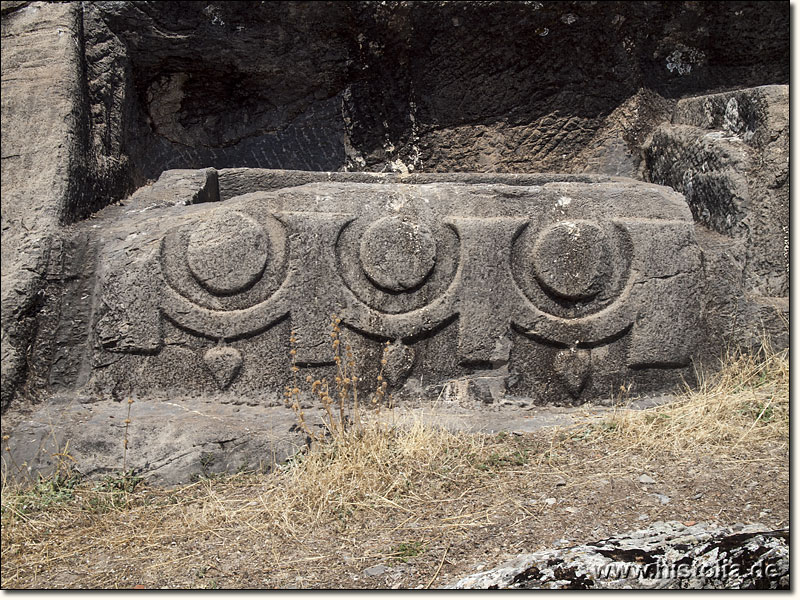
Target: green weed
[407, 550]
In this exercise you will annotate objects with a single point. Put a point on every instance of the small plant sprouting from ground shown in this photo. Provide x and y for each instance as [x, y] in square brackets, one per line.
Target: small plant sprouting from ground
[57, 488]
[47, 492]
[339, 399]
[126, 482]
[406, 550]
[114, 491]
[125, 438]
[11, 460]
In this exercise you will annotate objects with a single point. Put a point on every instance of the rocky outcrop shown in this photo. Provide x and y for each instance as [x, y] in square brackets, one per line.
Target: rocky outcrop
[665, 556]
[143, 87]
[55, 171]
[401, 86]
[169, 441]
[41, 141]
[728, 154]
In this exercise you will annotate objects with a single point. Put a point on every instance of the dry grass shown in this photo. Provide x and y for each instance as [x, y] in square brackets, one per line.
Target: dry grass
[748, 397]
[329, 491]
[424, 501]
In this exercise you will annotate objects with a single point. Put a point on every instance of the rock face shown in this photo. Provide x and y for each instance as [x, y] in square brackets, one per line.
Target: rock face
[280, 162]
[665, 556]
[401, 86]
[170, 441]
[547, 284]
[727, 154]
[40, 150]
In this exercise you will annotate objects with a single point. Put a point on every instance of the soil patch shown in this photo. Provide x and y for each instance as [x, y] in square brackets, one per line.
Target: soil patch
[416, 506]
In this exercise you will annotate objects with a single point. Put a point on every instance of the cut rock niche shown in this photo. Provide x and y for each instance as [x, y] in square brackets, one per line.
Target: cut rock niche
[593, 210]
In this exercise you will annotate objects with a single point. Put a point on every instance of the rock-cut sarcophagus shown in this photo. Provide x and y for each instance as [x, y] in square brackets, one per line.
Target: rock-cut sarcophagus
[538, 289]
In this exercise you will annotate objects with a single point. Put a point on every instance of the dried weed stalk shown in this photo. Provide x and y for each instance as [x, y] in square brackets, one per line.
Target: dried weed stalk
[339, 399]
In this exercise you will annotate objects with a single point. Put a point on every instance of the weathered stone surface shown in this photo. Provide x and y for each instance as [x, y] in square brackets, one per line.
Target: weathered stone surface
[187, 285]
[52, 172]
[179, 187]
[40, 141]
[171, 440]
[729, 155]
[665, 556]
[404, 86]
[558, 292]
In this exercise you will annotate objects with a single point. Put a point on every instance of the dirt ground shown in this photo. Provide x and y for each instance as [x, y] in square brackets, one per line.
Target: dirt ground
[418, 508]
[586, 493]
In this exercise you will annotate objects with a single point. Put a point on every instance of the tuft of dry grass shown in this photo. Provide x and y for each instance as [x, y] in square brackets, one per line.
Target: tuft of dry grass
[386, 475]
[376, 467]
[747, 398]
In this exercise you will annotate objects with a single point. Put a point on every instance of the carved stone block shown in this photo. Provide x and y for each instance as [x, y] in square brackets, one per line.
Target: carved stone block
[561, 291]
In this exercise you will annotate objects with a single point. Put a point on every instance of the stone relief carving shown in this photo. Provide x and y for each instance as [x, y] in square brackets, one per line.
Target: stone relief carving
[570, 268]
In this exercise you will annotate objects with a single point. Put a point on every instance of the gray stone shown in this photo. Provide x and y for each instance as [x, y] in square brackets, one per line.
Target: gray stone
[219, 243]
[399, 362]
[492, 288]
[53, 173]
[224, 364]
[729, 154]
[286, 87]
[375, 570]
[664, 556]
[171, 439]
[190, 437]
[180, 187]
[458, 278]
[41, 151]
[644, 478]
[397, 254]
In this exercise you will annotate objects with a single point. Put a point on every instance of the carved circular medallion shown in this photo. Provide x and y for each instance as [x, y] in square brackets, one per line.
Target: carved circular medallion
[572, 260]
[227, 253]
[397, 254]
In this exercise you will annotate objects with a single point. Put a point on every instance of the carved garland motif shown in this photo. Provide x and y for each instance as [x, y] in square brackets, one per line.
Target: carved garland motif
[565, 283]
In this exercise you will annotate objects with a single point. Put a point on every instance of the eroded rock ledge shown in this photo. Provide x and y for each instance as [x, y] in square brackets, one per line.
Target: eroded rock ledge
[664, 556]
